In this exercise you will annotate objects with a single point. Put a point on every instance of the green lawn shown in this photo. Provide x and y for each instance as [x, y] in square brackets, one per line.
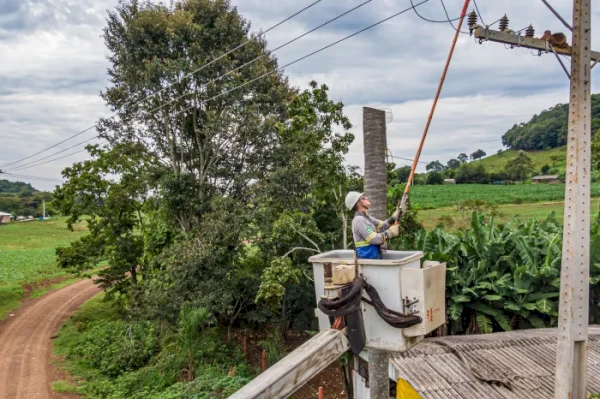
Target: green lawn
[27, 257]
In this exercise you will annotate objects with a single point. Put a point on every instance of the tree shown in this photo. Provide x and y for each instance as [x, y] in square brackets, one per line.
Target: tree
[463, 158]
[545, 169]
[214, 139]
[402, 174]
[435, 178]
[453, 164]
[472, 173]
[113, 209]
[434, 166]
[548, 129]
[478, 155]
[519, 168]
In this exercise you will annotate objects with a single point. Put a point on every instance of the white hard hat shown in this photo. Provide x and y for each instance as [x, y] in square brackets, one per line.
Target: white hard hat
[352, 198]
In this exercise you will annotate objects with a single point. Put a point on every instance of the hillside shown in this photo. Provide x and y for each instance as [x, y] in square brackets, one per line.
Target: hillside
[15, 187]
[548, 129]
[554, 158]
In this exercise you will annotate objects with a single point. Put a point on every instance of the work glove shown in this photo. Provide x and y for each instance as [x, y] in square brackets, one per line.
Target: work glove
[393, 231]
[396, 215]
[404, 203]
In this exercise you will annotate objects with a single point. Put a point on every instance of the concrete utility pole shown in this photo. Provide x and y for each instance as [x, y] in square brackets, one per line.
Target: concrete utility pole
[572, 348]
[375, 186]
[572, 345]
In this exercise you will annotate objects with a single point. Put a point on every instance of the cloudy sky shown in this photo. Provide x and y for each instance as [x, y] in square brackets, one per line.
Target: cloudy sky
[54, 62]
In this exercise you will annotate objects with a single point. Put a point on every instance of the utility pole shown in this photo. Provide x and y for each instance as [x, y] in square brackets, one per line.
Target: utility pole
[43, 209]
[572, 339]
[375, 187]
[572, 346]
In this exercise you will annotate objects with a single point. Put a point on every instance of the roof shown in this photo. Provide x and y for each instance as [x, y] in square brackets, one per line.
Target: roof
[5, 214]
[526, 359]
[545, 177]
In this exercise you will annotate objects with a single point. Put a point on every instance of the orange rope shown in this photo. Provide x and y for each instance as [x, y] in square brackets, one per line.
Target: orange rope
[437, 96]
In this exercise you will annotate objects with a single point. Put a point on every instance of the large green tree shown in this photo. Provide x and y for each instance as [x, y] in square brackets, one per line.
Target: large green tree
[109, 191]
[519, 168]
[215, 139]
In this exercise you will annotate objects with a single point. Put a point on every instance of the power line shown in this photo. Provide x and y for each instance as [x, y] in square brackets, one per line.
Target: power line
[218, 78]
[406, 159]
[478, 13]
[305, 56]
[171, 84]
[443, 21]
[56, 159]
[221, 76]
[40, 178]
[448, 16]
[35, 163]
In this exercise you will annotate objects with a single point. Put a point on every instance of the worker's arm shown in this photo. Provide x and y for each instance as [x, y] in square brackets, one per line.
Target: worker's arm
[368, 233]
[385, 224]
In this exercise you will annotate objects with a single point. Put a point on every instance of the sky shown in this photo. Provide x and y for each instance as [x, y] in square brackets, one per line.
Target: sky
[54, 66]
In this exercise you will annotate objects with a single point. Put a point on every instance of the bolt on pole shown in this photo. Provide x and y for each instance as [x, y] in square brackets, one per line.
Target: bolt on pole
[572, 345]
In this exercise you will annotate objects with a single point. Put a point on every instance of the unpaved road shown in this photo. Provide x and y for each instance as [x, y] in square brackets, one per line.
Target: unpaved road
[26, 345]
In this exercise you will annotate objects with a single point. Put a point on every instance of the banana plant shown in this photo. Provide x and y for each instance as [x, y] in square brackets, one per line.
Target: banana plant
[502, 277]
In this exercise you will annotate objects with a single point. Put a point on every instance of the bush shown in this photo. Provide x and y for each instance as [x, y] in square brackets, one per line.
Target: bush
[472, 173]
[434, 178]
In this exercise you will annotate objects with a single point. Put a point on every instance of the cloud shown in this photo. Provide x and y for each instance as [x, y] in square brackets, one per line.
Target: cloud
[54, 66]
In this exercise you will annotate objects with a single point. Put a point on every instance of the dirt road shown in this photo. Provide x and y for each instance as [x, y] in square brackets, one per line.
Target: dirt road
[26, 345]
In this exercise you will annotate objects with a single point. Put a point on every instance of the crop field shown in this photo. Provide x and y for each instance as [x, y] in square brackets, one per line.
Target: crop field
[27, 256]
[432, 197]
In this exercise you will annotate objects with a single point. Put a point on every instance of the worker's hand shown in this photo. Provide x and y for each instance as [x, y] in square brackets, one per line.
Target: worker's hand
[393, 231]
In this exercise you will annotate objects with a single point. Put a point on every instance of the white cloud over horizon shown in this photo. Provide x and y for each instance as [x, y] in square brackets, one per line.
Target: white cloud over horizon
[54, 67]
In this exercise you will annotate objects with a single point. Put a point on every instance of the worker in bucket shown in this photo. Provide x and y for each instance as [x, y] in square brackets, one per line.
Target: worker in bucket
[368, 233]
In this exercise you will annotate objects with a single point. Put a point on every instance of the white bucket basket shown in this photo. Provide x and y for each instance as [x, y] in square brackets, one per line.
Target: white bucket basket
[403, 285]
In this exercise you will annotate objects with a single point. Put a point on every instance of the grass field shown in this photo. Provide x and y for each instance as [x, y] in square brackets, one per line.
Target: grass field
[432, 197]
[27, 257]
[430, 218]
[497, 162]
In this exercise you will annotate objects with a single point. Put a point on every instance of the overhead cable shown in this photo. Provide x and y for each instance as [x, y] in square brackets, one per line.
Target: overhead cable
[305, 56]
[437, 21]
[218, 78]
[171, 84]
[26, 165]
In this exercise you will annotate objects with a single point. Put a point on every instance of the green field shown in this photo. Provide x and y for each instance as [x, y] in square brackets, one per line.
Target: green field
[432, 217]
[432, 197]
[27, 257]
[497, 162]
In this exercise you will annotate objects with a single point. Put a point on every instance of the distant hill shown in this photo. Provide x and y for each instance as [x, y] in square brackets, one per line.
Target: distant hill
[548, 129]
[554, 158]
[15, 187]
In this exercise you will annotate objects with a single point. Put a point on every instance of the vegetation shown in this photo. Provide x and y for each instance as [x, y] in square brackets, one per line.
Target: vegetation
[27, 257]
[220, 202]
[120, 359]
[503, 277]
[431, 197]
[15, 187]
[548, 129]
[554, 159]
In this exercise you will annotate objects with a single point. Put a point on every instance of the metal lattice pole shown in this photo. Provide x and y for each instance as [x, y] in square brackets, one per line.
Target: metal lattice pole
[571, 358]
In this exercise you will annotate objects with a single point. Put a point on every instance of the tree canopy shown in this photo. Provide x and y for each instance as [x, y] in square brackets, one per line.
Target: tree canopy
[548, 129]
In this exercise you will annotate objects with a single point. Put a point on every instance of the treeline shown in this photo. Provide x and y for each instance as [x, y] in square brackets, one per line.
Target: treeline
[548, 129]
[21, 199]
[518, 169]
